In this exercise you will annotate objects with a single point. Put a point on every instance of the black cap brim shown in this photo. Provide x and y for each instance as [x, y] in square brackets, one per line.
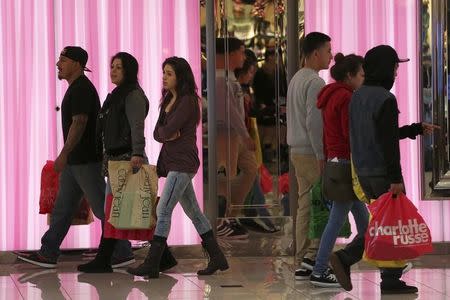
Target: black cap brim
[403, 60]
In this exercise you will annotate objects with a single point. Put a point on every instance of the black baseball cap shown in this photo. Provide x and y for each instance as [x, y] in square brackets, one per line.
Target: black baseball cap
[383, 53]
[77, 54]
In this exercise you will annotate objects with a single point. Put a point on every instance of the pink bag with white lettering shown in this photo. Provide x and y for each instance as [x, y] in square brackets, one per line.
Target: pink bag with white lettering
[396, 230]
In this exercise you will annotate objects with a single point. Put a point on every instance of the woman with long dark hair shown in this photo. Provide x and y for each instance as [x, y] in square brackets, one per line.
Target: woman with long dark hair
[178, 161]
[120, 132]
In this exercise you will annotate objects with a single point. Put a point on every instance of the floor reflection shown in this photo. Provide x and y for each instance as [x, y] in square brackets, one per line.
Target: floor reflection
[248, 278]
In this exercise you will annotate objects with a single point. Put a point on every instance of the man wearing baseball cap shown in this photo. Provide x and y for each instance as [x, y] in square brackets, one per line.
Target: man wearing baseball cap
[79, 162]
[77, 54]
[374, 142]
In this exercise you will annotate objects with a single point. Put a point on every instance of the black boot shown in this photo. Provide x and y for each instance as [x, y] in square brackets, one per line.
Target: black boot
[167, 260]
[150, 266]
[102, 261]
[217, 260]
[341, 269]
[391, 283]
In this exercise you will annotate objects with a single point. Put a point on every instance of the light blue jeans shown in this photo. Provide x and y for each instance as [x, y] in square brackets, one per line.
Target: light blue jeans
[338, 213]
[178, 188]
[74, 182]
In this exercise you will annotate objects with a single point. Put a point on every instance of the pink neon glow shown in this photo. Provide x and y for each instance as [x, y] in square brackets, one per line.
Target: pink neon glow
[32, 33]
[355, 26]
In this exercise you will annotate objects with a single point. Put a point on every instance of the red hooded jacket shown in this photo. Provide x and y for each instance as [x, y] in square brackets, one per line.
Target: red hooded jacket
[333, 101]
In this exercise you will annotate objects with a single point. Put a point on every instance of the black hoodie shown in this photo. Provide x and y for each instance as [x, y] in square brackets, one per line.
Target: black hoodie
[374, 129]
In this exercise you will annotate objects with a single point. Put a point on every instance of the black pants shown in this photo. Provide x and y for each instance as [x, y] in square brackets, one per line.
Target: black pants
[373, 187]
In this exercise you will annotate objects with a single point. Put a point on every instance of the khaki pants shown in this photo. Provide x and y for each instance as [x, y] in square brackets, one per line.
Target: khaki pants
[232, 154]
[307, 173]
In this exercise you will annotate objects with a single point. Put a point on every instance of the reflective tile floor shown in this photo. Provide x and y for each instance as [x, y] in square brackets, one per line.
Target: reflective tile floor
[248, 278]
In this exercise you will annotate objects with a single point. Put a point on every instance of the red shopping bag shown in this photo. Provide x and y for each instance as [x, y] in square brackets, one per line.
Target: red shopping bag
[49, 188]
[124, 234]
[266, 180]
[49, 191]
[396, 231]
[283, 183]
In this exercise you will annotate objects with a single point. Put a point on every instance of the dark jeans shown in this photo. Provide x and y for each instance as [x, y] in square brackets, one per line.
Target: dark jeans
[74, 182]
[373, 187]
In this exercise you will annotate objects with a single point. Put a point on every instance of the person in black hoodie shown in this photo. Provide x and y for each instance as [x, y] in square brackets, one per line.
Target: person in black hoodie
[374, 143]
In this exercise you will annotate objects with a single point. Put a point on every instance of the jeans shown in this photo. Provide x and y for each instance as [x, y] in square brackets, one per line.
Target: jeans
[74, 182]
[178, 188]
[338, 214]
[373, 187]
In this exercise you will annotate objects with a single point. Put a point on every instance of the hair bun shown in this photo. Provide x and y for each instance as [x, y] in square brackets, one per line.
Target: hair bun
[339, 57]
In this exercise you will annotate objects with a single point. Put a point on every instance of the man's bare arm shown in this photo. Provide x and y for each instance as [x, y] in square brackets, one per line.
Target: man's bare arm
[76, 131]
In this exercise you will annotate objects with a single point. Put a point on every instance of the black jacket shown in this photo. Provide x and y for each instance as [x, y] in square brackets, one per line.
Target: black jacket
[114, 126]
[375, 134]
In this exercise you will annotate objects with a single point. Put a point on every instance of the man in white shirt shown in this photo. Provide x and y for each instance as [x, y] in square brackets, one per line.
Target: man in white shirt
[304, 136]
[235, 147]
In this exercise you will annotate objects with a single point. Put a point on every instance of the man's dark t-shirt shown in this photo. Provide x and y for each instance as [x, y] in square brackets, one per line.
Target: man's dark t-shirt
[81, 98]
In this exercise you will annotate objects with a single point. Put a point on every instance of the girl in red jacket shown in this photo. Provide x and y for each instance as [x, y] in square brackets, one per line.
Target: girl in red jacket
[333, 101]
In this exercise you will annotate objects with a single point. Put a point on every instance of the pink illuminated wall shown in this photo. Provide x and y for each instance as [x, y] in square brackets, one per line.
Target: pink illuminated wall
[355, 26]
[32, 33]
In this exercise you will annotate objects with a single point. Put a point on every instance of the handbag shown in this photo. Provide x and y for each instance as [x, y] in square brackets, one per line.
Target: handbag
[337, 182]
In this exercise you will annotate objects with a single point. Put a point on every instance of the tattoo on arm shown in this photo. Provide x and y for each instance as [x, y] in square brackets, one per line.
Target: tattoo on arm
[76, 131]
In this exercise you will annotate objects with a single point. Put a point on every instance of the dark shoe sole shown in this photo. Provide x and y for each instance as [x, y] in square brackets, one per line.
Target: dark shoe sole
[339, 270]
[399, 291]
[221, 268]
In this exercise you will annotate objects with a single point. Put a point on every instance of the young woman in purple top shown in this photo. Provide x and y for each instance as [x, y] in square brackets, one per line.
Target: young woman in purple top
[178, 161]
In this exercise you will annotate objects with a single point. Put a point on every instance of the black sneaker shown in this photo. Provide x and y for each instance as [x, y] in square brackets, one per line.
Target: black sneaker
[223, 228]
[341, 270]
[231, 230]
[397, 287]
[327, 279]
[302, 274]
[308, 264]
[37, 259]
[122, 262]
[259, 224]
[267, 225]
